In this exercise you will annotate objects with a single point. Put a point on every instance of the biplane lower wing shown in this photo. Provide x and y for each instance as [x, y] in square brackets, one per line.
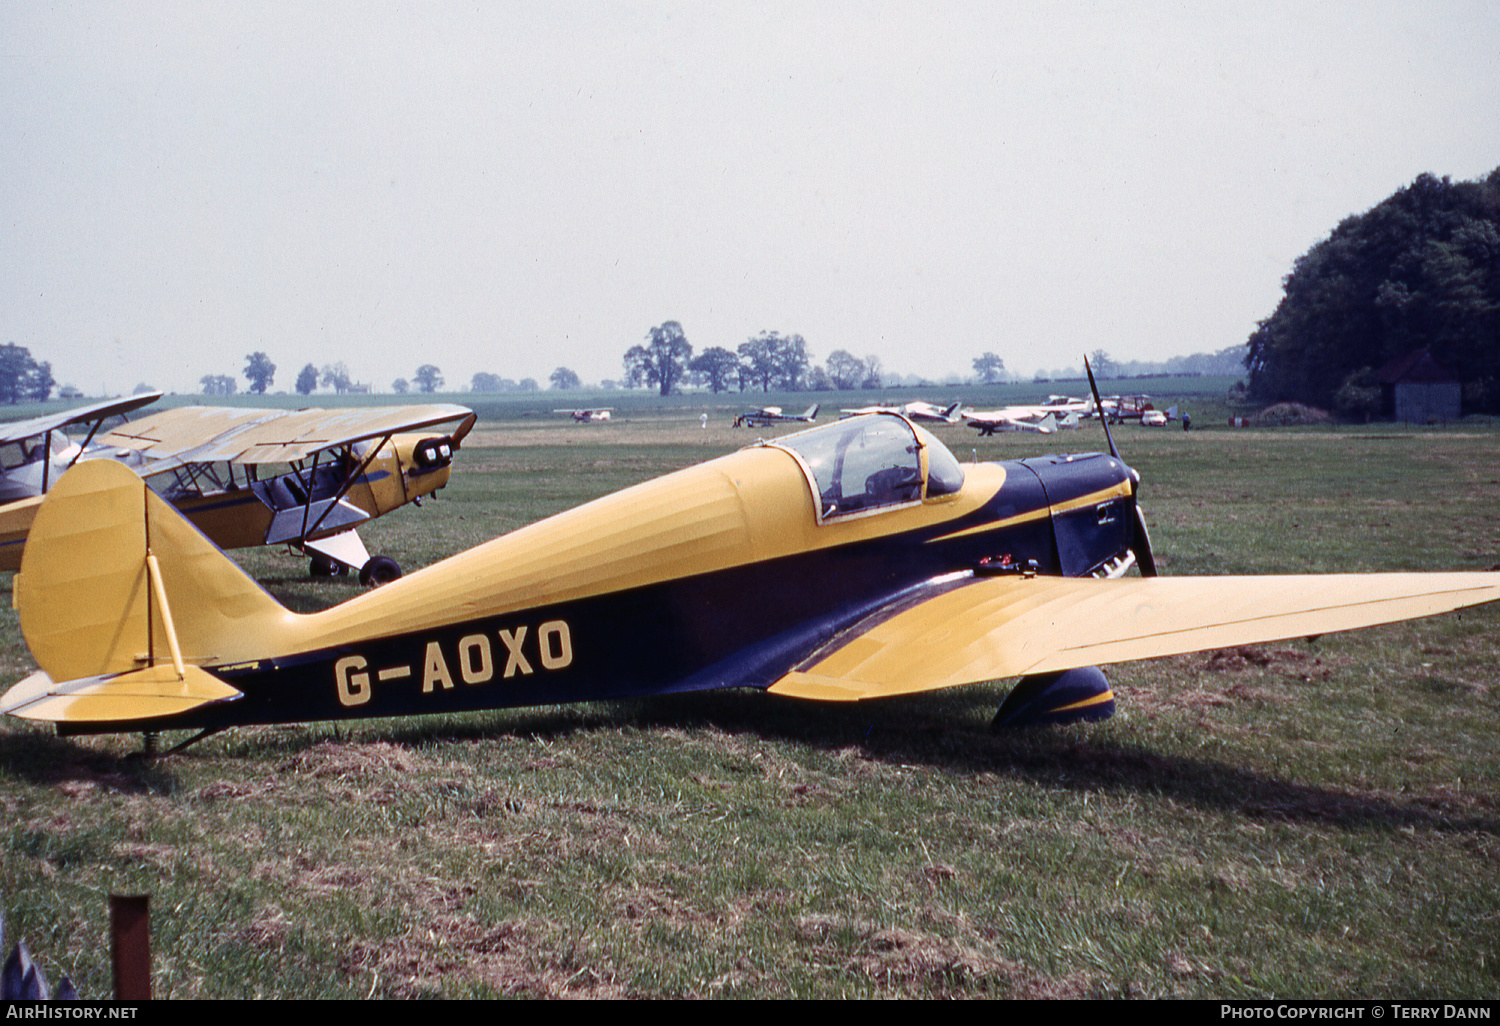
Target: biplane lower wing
[989, 628]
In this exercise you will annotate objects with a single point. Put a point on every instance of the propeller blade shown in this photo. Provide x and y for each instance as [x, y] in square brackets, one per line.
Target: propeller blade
[1141, 543]
[1141, 546]
[1099, 409]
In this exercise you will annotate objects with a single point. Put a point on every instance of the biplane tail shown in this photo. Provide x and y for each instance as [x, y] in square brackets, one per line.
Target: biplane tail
[122, 602]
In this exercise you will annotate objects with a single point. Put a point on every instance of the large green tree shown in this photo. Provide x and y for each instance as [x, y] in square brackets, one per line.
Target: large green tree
[337, 377]
[845, 370]
[717, 366]
[260, 372]
[1421, 270]
[771, 358]
[662, 361]
[989, 367]
[758, 357]
[792, 362]
[21, 377]
[217, 384]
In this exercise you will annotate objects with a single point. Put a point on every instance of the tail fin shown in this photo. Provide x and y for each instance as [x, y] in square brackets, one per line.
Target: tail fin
[114, 581]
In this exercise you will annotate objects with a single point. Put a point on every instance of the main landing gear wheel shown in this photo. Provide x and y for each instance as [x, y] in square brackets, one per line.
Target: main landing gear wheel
[1045, 699]
[379, 570]
[322, 566]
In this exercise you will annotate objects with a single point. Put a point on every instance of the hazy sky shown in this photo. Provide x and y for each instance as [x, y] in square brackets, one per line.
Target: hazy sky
[508, 187]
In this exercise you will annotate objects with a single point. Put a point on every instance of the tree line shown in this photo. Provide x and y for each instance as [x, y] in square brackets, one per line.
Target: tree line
[261, 373]
[427, 378]
[1420, 270]
[768, 360]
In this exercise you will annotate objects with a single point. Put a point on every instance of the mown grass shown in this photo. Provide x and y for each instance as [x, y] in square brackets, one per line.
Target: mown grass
[1309, 819]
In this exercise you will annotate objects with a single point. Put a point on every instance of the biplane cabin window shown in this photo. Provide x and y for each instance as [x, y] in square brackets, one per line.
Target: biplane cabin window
[193, 480]
[870, 463]
[13, 455]
[30, 450]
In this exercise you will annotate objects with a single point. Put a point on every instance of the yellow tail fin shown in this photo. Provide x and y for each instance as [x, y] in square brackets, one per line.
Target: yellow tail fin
[94, 602]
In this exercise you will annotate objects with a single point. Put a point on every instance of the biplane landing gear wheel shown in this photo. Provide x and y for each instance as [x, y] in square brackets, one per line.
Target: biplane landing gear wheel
[322, 566]
[379, 570]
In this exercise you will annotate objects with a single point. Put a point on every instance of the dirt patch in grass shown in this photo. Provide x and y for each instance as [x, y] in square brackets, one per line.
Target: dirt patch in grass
[354, 761]
[234, 790]
[897, 960]
[1249, 674]
[516, 958]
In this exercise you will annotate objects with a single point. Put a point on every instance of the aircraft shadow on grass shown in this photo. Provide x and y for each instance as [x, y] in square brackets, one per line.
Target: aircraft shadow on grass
[921, 731]
[914, 731]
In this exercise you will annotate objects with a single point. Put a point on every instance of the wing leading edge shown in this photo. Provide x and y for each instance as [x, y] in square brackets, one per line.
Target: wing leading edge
[16, 431]
[207, 434]
[992, 628]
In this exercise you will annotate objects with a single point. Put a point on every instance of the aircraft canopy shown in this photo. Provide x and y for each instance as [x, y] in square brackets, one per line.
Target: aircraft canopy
[872, 462]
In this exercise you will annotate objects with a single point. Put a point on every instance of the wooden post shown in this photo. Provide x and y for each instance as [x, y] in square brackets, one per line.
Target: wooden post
[130, 948]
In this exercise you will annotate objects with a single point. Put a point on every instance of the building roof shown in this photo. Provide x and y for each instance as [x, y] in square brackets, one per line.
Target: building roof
[1416, 367]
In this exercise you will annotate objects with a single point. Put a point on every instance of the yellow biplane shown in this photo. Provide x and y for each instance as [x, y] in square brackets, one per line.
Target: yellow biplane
[847, 562]
[245, 477]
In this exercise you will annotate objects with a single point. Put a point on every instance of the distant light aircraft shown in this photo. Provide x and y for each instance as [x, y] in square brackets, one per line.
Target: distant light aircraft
[850, 561]
[1119, 408]
[915, 410]
[768, 415]
[1058, 413]
[589, 416]
[1019, 418]
[248, 477]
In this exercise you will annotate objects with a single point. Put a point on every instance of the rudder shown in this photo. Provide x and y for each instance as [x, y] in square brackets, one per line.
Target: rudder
[86, 596]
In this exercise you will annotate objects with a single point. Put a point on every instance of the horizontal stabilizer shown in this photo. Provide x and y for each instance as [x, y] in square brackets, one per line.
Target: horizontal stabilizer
[145, 694]
[998, 627]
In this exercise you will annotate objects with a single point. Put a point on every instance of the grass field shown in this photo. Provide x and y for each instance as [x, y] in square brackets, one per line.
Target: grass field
[1311, 819]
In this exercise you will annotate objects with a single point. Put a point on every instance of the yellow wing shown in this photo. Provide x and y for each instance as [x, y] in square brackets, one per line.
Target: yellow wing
[17, 430]
[990, 628]
[208, 434]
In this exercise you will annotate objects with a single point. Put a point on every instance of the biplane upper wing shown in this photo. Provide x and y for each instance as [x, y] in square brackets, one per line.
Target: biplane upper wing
[209, 434]
[18, 430]
[986, 628]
